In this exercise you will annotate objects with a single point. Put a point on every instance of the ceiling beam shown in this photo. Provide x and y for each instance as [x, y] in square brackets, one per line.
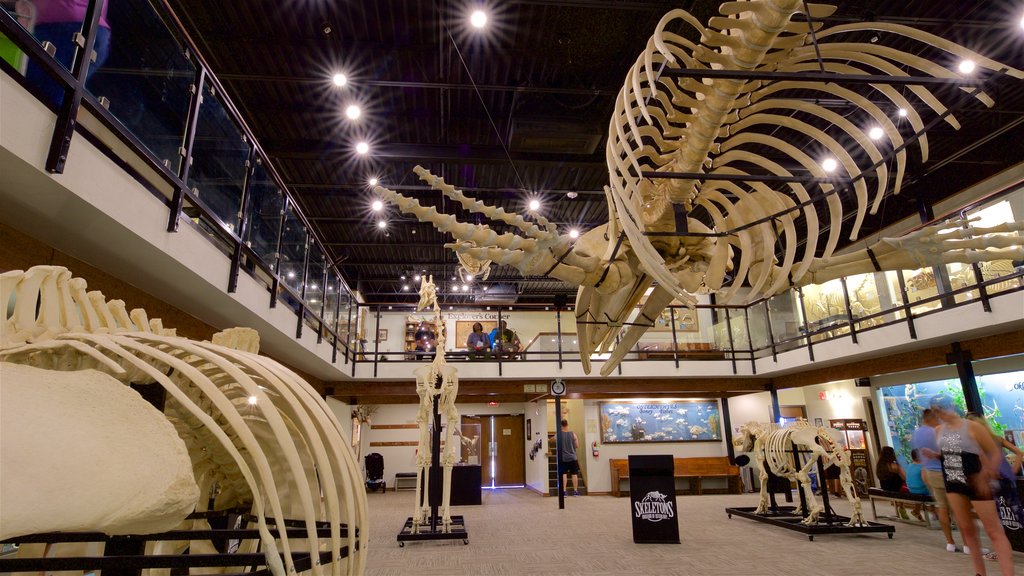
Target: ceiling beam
[314, 150]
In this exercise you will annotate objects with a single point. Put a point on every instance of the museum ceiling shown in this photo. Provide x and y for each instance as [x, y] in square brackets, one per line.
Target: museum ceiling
[519, 110]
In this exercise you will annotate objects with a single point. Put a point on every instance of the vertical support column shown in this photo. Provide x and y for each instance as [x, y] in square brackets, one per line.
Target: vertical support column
[965, 369]
[732, 345]
[776, 410]
[323, 300]
[376, 341]
[750, 339]
[64, 129]
[942, 284]
[730, 450]
[675, 340]
[243, 221]
[348, 335]
[195, 101]
[498, 352]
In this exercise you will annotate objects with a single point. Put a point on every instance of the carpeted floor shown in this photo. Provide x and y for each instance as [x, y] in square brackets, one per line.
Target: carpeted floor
[519, 532]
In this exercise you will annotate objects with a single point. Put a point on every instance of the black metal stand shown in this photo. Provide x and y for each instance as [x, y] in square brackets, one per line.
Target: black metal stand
[828, 521]
[125, 555]
[433, 530]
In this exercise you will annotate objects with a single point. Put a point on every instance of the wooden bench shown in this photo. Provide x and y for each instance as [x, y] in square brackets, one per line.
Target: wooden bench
[903, 498]
[692, 470]
[405, 481]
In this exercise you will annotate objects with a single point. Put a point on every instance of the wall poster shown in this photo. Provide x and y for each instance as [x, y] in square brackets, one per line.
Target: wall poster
[667, 421]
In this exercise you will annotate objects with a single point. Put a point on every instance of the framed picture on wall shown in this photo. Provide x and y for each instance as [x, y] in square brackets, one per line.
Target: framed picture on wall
[529, 428]
[818, 422]
[463, 328]
[667, 421]
[382, 334]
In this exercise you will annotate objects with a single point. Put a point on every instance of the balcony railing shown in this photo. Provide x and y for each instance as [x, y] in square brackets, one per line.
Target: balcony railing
[152, 91]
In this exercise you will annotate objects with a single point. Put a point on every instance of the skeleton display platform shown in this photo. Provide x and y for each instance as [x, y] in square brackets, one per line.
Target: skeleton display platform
[127, 554]
[787, 517]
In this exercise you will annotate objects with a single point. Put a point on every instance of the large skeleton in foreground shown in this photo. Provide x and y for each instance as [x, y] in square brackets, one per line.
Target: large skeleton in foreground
[771, 446]
[427, 378]
[735, 235]
[82, 452]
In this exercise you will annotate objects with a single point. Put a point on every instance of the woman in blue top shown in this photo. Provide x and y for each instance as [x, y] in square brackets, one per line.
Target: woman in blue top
[914, 482]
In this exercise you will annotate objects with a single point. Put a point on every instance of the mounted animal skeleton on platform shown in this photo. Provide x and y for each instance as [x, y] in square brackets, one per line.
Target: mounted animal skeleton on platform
[772, 447]
[82, 452]
[690, 206]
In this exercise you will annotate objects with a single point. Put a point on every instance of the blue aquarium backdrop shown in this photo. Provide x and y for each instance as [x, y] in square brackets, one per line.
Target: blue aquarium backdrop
[670, 421]
[1002, 396]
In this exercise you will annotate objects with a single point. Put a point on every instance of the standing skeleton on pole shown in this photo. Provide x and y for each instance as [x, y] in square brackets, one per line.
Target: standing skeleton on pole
[427, 389]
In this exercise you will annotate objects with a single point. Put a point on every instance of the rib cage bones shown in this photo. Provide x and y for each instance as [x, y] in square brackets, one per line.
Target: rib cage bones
[276, 457]
[720, 126]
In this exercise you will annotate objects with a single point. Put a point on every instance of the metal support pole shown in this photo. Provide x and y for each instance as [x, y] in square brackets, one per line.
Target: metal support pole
[675, 341]
[494, 344]
[275, 284]
[849, 310]
[750, 340]
[776, 410]
[376, 342]
[67, 112]
[807, 327]
[771, 331]
[302, 292]
[732, 345]
[558, 320]
[906, 305]
[243, 221]
[195, 101]
[558, 452]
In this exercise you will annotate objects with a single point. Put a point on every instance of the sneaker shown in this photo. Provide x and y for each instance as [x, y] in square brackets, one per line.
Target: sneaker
[575, 493]
[950, 547]
[983, 550]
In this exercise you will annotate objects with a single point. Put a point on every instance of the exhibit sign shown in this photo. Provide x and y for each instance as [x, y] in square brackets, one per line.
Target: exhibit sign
[652, 499]
[666, 421]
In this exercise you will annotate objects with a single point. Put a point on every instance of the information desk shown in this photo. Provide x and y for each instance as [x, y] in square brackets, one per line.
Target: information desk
[466, 481]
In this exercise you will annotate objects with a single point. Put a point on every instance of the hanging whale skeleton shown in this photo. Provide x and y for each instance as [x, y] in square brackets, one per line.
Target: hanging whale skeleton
[662, 124]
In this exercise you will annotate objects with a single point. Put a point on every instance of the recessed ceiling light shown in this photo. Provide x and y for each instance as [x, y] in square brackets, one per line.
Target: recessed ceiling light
[312, 300]
[465, 287]
[485, 290]
[574, 233]
[353, 112]
[339, 79]
[291, 275]
[382, 224]
[362, 148]
[253, 400]
[377, 205]
[402, 277]
[455, 277]
[373, 181]
[416, 277]
[534, 205]
[966, 66]
[875, 133]
[405, 287]
[313, 286]
[829, 164]
[902, 112]
[478, 19]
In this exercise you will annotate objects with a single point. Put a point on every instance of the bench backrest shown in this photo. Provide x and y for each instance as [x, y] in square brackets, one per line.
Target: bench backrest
[702, 466]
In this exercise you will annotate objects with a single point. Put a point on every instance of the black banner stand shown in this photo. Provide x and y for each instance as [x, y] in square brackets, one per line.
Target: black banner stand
[828, 522]
[433, 529]
[652, 499]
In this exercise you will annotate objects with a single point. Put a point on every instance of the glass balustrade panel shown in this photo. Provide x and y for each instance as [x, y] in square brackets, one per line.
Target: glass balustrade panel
[219, 160]
[760, 337]
[146, 78]
[293, 250]
[314, 289]
[263, 206]
[787, 325]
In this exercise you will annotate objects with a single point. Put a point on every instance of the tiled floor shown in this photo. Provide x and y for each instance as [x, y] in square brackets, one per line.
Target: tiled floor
[520, 532]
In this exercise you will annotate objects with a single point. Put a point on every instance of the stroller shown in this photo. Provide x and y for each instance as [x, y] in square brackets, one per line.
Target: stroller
[375, 472]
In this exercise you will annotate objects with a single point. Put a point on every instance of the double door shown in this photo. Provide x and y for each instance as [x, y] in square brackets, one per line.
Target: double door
[502, 449]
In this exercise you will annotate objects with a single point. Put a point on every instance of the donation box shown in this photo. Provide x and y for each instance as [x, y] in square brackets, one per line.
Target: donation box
[652, 500]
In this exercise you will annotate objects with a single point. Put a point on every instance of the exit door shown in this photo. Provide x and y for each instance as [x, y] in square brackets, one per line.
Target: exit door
[503, 454]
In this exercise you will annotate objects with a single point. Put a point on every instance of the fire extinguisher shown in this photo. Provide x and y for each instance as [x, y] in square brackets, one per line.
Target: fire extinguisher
[594, 450]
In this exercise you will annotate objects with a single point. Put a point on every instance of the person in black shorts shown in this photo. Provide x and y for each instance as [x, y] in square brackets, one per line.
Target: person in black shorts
[568, 462]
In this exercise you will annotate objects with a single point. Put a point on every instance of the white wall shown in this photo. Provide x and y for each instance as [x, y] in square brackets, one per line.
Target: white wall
[403, 458]
[599, 476]
[537, 469]
[844, 400]
[343, 412]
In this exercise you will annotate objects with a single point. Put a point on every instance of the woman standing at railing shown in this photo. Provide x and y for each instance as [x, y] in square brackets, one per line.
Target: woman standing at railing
[57, 22]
